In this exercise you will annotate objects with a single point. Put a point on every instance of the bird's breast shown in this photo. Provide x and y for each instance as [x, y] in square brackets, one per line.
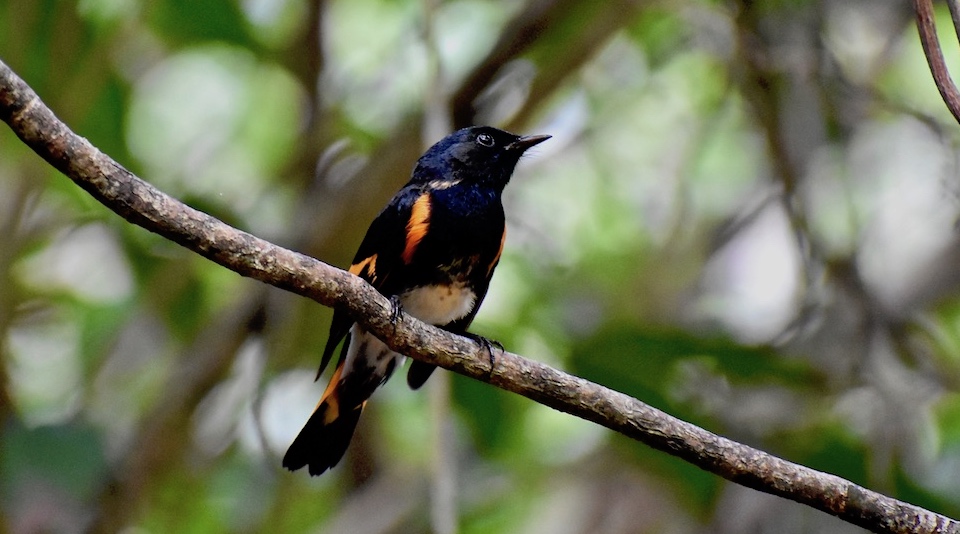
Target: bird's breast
[439, 304]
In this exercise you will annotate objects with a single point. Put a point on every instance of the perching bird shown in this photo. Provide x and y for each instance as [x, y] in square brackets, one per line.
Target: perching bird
[433, 250]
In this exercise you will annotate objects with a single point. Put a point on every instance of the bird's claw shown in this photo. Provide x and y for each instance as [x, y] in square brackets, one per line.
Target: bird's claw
[396, 309]
[488, 345]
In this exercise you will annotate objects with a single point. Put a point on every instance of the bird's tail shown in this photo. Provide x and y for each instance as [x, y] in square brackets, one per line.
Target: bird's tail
[324, 439]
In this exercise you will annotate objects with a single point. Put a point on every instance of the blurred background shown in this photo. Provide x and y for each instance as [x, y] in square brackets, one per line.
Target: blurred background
[747, 217]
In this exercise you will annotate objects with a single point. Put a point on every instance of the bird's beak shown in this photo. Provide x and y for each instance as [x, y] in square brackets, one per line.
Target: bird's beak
[526, 142]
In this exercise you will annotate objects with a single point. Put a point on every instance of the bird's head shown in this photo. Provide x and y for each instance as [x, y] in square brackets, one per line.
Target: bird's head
[479, 154]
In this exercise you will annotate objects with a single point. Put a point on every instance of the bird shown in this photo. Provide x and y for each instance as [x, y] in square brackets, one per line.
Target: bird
[432, 250]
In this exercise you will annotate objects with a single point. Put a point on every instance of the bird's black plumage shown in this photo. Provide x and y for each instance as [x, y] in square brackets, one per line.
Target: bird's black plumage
[434, 248]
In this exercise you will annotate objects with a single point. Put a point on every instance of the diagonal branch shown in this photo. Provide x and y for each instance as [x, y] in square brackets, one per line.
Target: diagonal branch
[931, 48]
[245, 254]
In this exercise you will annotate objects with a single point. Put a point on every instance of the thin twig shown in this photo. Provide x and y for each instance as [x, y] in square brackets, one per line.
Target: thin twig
[931, 48]
[144, 205]
[954, 6]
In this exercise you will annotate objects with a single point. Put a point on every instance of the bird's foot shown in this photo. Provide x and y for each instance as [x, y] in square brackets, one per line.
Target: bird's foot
[396, 309]
[488, 345]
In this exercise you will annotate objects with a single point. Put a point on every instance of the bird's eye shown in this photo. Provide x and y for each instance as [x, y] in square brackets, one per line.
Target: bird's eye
[485, 139]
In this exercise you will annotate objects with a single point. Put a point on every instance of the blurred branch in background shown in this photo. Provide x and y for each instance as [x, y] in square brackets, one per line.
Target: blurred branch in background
[145, 206]
[159, 439]
[443, 465]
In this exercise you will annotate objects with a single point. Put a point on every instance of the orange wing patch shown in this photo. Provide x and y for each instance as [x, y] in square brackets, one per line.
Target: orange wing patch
[417, 226]
[366, 269]
[496, 259]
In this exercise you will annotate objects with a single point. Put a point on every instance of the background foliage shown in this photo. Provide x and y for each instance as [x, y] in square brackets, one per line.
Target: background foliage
[747, 217]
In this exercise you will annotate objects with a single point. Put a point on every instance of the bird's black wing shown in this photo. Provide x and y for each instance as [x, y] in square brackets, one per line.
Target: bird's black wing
[392, 236]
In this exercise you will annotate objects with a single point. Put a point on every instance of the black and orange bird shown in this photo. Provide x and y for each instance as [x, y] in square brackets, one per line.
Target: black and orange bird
[432, 250]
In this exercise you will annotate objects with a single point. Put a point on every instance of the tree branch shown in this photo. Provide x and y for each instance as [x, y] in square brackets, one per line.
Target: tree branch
[247, 255]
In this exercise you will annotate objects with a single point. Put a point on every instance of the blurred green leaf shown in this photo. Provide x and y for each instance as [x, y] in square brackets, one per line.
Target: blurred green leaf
[642, 361]
[492, 414]
[660, 32]
[192, 21]
[69, 455]
[103, 125]
[829, 447]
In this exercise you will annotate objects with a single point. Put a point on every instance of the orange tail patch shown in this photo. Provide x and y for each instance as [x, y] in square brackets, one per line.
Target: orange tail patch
[330, 400]
[324, 439]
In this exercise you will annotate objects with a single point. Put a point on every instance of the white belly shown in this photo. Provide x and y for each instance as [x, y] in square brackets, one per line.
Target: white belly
[438, 305]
